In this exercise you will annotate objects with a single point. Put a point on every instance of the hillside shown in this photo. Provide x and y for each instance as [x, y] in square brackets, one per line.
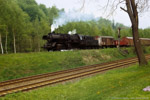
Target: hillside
[26, 64]
[124, 83]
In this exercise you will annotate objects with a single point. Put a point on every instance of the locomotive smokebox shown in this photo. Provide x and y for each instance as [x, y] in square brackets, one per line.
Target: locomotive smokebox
[45, 37]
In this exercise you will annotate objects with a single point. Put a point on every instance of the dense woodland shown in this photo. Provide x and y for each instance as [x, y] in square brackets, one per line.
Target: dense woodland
[24, 22]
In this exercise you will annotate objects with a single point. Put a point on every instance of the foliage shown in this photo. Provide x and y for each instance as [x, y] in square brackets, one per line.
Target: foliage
[101, 27]
[24, 22]
[92, 28]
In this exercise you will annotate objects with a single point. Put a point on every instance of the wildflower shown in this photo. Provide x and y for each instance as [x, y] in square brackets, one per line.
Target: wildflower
[147, 88]
[98, 92]
[112, 86]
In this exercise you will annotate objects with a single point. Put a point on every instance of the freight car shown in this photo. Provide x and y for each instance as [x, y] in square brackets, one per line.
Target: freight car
[105, 41]
[124, 42]
[128, 41]
[145, 41]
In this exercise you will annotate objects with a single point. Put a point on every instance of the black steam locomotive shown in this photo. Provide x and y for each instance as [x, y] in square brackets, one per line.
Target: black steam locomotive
[57, 42]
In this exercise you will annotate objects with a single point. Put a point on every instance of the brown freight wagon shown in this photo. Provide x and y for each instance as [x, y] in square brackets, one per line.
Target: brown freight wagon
[105, 41]
[145, 41]
[129, 41]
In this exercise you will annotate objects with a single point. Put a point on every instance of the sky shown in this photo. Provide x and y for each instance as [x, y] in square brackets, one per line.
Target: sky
[95, 8]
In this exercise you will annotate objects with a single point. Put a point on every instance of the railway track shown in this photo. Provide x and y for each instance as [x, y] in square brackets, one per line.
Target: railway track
[32, 82]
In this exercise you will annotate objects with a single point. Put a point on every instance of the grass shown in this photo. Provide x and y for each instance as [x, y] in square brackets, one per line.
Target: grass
[25, 64]
[123, 83]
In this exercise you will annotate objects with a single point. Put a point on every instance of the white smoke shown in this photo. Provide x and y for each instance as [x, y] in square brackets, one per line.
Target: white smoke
[71, 16]
[53, 27]
[72, 32]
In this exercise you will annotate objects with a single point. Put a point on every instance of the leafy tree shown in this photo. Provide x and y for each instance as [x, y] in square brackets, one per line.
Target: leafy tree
[52, 13]
[31, 8]
[22, 24]
[44, 9]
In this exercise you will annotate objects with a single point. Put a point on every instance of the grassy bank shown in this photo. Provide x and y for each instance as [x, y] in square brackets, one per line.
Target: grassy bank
[26, 64]
[118, 84]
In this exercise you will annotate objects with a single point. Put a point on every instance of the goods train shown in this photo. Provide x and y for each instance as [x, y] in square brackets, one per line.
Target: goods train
[57, 42]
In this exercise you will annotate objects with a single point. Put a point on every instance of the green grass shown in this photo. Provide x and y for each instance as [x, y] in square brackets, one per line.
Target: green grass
[119, 83]
[25, 64]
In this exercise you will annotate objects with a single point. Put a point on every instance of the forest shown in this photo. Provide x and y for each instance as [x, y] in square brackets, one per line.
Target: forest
[24, 22]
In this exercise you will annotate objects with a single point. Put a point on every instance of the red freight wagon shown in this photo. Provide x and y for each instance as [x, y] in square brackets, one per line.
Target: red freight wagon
[128, 41]
[125, 41]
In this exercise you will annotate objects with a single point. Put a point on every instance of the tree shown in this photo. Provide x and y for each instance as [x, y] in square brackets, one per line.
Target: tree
[3, 29]
[16, 24]
[132, 8]
[1, 44]
[53, 13]
[22, 24]
[32, 9]
[4, 6]
[44, 9]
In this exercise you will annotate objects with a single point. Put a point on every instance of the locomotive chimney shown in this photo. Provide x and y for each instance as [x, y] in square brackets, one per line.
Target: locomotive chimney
[45, 37]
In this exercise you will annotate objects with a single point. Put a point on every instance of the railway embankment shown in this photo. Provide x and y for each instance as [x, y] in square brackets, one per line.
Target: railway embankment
[123, 83]
[19, 65]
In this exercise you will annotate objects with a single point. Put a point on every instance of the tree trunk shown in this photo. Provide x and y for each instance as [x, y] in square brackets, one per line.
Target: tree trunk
[6, 42]
[31, 44]
[133, 14]
[14, 41]
[138, 47]
[1, 44]
[39, 46]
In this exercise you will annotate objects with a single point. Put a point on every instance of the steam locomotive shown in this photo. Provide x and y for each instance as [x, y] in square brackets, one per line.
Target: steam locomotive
[57, 42]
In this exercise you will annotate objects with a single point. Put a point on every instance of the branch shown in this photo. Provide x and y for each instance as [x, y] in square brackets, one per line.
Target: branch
[124, 9]
[82, 5]
[115, 6]
[107, 6]
[129, 10]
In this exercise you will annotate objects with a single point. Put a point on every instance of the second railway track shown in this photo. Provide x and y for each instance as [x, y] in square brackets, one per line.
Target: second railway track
[32, 82]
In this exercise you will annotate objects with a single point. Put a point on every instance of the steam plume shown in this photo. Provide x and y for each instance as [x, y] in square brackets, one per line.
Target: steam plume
[71, 16]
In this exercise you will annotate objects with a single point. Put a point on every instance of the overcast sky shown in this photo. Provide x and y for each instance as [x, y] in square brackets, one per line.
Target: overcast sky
[94, 7]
